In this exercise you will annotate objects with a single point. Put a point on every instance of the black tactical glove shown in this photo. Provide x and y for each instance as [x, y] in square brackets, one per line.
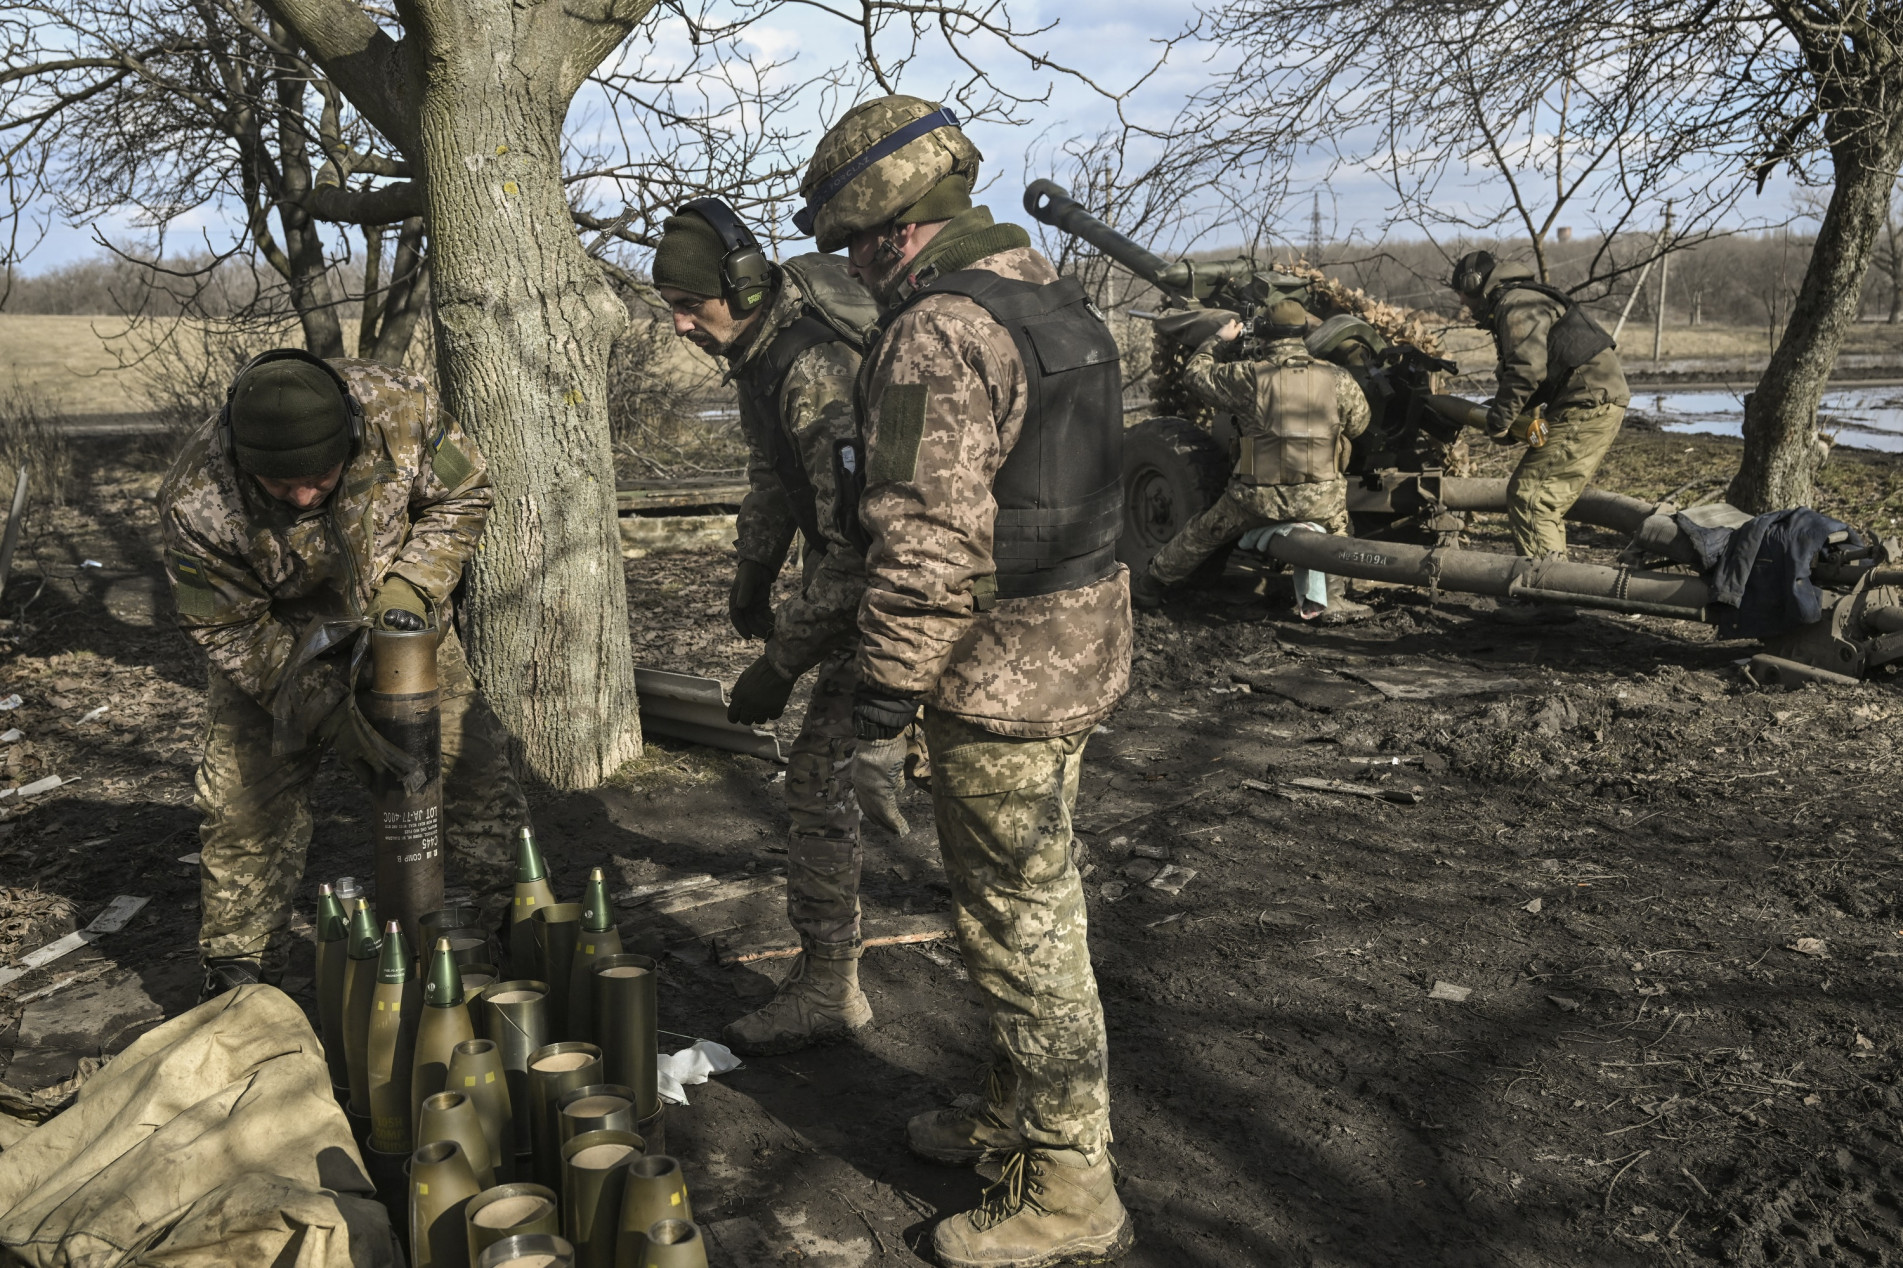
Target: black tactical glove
[750, 602]
[879, 716]
[397, 606]
[760, 694]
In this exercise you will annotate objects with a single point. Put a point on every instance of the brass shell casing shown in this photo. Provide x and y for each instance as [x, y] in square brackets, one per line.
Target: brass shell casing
[594, 1175]
[454, 916]
[441, 1183]
[598, 1107]
[537, 1250]
[624, 1009]
[475, 1070]
[515, 1015]
[557, 931]
[674, 1244]
[510, 1210]
[452, 1116]
[591, 948]
[553, 1070]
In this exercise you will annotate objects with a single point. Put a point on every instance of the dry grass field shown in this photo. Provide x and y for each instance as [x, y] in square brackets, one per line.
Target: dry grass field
[68, 363]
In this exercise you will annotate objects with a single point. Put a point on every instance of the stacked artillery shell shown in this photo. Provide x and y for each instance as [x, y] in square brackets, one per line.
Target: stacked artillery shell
[598, 1107]
[404, 705]
[656, 1191]
[537, 1250]
[599, 939]
[455, 916]
[594, 1174]
[475, 1070]
[452, 1116]
[624, 1005]
[509, 1210]
[557, 932]
[553, 1070]
[477, 978]
[445, 1023]
[441, 1184]
[360, 983]
[674, 1244]
[532, 893]
[390, 1050]
[515, 1014]
[333, 957]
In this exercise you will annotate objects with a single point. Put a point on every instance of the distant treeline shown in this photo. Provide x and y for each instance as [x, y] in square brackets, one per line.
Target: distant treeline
[111, 286]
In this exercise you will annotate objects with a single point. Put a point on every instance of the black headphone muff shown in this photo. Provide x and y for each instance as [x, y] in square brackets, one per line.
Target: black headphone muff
[352, 406]
[746, 274]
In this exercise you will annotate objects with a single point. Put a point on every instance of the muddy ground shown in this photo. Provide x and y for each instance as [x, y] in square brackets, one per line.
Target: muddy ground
[1617, 847]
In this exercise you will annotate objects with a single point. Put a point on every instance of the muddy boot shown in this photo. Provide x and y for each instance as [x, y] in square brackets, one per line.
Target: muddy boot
[965, 1134]
[224, 973]
[819, 1002]
[1050, 1206]
[1341, 609]
[1146, 592]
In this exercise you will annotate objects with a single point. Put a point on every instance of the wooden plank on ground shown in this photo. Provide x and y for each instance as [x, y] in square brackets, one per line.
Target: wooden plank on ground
[890, 931]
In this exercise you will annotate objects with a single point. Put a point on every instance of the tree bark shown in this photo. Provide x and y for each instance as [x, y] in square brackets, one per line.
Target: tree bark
[402, 304]
[1782, 450]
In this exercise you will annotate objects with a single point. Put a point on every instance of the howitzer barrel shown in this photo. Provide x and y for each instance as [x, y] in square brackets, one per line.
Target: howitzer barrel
[1052, 204]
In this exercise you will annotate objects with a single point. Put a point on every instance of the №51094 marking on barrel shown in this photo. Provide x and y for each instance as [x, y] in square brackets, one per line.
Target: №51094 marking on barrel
[1365, 557]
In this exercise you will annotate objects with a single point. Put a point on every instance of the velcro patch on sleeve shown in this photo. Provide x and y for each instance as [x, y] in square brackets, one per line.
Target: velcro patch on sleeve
[894, 453]
[451, 465]
[193, 589]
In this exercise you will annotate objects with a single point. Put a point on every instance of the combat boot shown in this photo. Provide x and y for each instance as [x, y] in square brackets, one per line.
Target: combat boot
[1146, 592]
[1049, 1206]
[819, 1002]
[227, 972]
[1341, 609]
[964, 1136]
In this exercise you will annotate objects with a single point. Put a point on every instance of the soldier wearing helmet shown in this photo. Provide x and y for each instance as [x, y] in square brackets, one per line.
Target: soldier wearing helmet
[1556, 360]
[990, 410]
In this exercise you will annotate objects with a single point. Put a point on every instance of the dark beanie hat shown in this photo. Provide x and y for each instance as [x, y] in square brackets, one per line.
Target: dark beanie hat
[1285, 317]
[689, 256]
[289, 420]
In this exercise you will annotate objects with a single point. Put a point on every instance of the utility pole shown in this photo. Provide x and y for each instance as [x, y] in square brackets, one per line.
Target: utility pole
[1315, 231]
[1665, 268]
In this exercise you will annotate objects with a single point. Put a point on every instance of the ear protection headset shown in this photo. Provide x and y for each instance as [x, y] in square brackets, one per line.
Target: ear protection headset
[351, 405]
[1471, 272]
[745, 272]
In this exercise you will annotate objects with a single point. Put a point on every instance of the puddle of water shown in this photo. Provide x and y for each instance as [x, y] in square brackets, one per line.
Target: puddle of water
[1862, 417]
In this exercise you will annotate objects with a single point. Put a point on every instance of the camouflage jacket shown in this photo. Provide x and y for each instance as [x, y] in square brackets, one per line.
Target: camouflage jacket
[1241, 387]
[250, 572]
[1520, 321]
[1037, 667]
[815, 412]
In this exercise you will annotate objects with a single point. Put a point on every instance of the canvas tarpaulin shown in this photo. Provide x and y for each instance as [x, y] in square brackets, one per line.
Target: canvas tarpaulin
[212, 1140]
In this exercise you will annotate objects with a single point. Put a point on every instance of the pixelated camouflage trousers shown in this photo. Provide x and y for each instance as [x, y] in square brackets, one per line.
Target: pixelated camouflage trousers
[1003, 807]
[1241, 508]
[252, 847]
[823, 854]
[1550, 479]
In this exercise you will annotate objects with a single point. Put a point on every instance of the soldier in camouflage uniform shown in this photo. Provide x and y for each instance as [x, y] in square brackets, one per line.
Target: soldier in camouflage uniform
[1298, 417]
[995, 601]
[325, 492]
[1554, 359]
[791, 335]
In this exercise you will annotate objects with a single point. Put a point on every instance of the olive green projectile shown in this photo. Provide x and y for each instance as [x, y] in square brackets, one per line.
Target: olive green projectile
[360, 984]
[674, 1244]
[599, 938]
[441, 1184]
[509, 1210]
[532, 893]
[536, 1250]
[515, 1014]
[452, 1116]
[553, 1070]
[445, 1023]
[656, 1191]
[390, 1050]
[594, 1174]
[624, 1008]
[597, 1107]
[557, 932]
[475, 1070]
[333, 957]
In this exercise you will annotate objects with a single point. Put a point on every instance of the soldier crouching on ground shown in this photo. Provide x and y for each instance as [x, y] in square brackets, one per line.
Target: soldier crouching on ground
[1297, 416]
[1553, 358]
[991, 407]
[325, 497]
[791, 334]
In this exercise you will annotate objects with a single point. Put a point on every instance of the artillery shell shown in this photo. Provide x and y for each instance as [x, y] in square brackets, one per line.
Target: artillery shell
[441, 1184]
[624, 1007]
[453, 916]
[360, 983]
[656, 1191]
[509, 1210]
[557, 931]
[593, 1176]
[452, 1116]
[333, 957]
[537, 1250]
[553, 1070]
[532, 893]
[674, 1244]
[445, 1023]
[515, 1015]
[599, 938]
[390, 1050]
[475, 1070]
[404, 705]
[598, 1107]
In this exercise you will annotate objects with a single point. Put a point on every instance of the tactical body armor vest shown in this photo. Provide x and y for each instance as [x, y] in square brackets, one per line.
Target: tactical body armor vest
[1574, 340]
[1060, 489]
[1295, 437]
[834, 308]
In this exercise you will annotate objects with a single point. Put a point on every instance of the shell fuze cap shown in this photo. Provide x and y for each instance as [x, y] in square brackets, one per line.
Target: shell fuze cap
[288, 419]
[689, 256]
[891, 160]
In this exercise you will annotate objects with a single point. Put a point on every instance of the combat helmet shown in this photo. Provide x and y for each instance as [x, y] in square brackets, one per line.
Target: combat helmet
[891, 160]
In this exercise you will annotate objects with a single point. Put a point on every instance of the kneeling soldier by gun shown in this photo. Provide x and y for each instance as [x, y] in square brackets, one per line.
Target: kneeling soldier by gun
[325, 497]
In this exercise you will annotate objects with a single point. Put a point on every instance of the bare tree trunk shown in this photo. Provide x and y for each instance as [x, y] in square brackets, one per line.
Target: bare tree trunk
[1893, 264]
[402, 304]
[309, 274]
[1781, 448]
[524, 322]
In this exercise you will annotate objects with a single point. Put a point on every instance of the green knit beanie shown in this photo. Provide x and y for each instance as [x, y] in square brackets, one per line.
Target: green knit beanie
[288, 421]
[689, 256]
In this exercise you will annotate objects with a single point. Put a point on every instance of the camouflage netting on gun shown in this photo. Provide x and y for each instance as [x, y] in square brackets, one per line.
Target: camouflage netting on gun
[1395, 324]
